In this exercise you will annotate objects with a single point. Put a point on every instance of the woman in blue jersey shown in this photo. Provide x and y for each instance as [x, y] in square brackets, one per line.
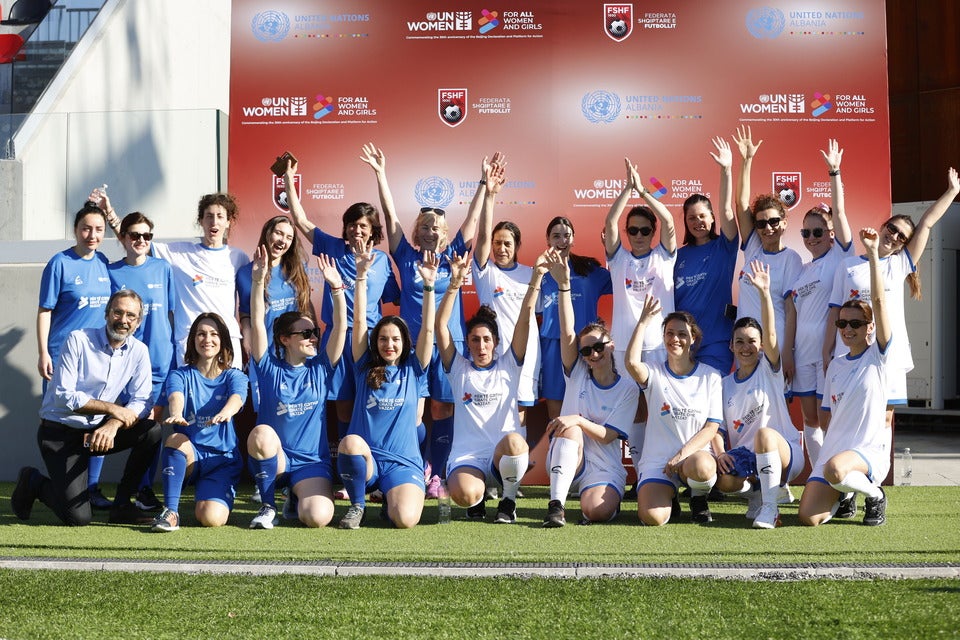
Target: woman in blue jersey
[382, 449]
[294, 381]
[152, 279]
[203, 396]
[74, 291]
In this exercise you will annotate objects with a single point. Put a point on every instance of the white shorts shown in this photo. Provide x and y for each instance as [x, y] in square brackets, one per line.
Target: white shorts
[482, 461]
[877, 459]
[652, 471]
[594, 475]
[529, 385]
[896, 386]
[808, 380]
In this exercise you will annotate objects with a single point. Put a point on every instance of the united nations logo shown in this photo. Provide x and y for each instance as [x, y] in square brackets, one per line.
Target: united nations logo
[270, 26]
[434, 192]
[600, 106]
[766, 22]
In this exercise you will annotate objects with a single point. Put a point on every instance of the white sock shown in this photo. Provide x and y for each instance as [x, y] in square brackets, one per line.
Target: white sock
[637, 433]
[768, 473]
[858, 481]
[511, 470]
[812, 440]
[701, 488]
[564, 460]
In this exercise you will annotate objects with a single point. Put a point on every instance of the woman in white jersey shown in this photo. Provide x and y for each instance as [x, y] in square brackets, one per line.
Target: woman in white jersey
[855, 456]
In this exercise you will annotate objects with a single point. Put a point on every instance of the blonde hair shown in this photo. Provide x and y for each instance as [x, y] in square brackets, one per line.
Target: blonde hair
[441, 221]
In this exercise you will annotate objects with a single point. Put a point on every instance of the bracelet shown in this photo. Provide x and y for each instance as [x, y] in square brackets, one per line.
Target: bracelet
[559, 289]
[833, 174]
[336, 290]
[427, 287]
[482, 181]
[359, 279]
[530, 286]
[258, 282]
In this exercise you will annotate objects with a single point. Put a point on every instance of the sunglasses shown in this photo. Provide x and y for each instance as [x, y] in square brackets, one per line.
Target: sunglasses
[896, 233]
[439, 212]
[854, 324]
[136, 236]
[596, 347]
[769, 222]
[644, 231]
[816, 233]
[306, 334]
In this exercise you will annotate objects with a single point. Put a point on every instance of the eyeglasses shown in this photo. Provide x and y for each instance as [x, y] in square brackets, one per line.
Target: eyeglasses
[137, 236]
[769, 222]
[644, 231]
[854, 324]
[896, 233]
[596, 347]
[306, 334]
[439, 212]
[816, 233]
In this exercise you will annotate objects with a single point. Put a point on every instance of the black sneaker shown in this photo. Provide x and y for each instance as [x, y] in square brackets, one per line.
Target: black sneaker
[98, 500]
[354, 517]
[875, 510]
[127, 513]
[147, 500]
[631, 493]
[24, 494]
[700, 510]
[506, 512]
[477, 511]
[847, 508]
[555, 515]
[675, 509]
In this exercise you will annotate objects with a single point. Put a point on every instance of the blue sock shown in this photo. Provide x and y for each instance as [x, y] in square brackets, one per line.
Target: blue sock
[441, 442]
[93, 471]
[353, 472]
[151, 472]
[174, 469]
[264, 473]
[422, 439]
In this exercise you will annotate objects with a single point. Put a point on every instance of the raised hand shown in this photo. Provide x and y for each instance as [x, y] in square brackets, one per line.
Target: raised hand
[833, 155]
[952, 182]
[633, 177]
[557, 265]
[743, 137]
[259, 268]
[495, 176]
[374, 157]
[363, 256]
[723, 156]
[458, 267]
[760, 278]
[291, 169]
[651, 307]
[328, 268]
[870, 239]
[498, 158]
[428, 267]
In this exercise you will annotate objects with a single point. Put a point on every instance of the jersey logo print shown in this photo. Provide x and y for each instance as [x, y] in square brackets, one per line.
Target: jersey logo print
[738, 425]
[281, 409]
[665, 409]
[371, 403]
[467, 398]
[78, 280]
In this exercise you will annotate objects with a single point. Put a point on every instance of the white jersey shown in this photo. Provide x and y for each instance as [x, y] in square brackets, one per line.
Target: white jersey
[852, 282]
[755, 402]
[613, 407]
[855, 395]
[784, 266]
[678, 407]
[486, 404]
[633, 278]
[811, 296]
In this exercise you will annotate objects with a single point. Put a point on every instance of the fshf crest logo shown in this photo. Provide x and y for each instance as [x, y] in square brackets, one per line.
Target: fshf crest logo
[787, 187]
[280, 193]
[618, 21]
[452, 106]
[270, 26]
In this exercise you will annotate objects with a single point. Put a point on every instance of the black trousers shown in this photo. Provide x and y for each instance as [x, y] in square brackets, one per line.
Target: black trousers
[67, 461]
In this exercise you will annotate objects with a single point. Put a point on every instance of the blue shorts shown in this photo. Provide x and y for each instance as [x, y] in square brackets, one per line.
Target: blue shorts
[440, 389]
[744, 462]
[388, 474]
[294, 474]
[342, 383]
[216, 474]
[157, 392]
[552, 382]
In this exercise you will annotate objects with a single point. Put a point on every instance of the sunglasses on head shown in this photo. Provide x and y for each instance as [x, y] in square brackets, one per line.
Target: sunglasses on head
[769, 222]
[896, 233]
[644, 231]
[137, 236]
[854, 324]
[306, 334]
[816, 233]
[596, 347]
[439, 212]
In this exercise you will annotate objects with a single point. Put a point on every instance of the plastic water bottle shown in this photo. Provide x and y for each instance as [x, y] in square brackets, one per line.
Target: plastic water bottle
[443, 505]
[906, 467]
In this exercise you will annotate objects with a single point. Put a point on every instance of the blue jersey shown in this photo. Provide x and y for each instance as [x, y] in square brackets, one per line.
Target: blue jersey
[703, 286]
[386, 418]
[381, 284]
[292, 401]
[204, 398]
[585, 292]
[153, 282]
[280, 296]
[77, 291]
[411, 286]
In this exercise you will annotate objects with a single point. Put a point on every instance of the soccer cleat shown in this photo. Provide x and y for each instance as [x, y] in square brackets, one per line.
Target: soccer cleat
[354, 517]
[506, 512]
[675, 508]
[127, 513]
[556, 515]
[147, 500]
[754, 502]
[265, 518]
[875, 510]
[785, 495]
[477, 511]
[433, 488]
[166, 521]
[768, 518]
[24, 494]
[98, 500]
[255, 496]
[631, 493]
[847, 507]
[700, 510]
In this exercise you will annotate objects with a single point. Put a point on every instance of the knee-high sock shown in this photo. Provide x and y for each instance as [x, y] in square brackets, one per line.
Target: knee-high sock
[151, 472]
[564, 459]
[422, 439]
[353, 472]
[174, 465]
[441, 439]
[94, 470]
[812, 440]
[264, 473]
[701, 487]
[859, 482]
[769, 471]
[511, 470]
[637, 434]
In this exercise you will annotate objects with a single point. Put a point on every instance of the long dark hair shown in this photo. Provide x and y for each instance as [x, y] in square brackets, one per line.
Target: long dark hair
[913, 279]
[580, 265]
[376, 365]
[688, 238]
[225, 355]
[291, 265]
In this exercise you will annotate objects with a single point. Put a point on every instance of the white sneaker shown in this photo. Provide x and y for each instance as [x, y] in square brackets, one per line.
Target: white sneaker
[768, 518]
[265, 518]
[785, 496]
[754, 501]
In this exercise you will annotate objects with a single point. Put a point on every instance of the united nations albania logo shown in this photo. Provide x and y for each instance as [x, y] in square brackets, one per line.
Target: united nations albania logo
[434, 192]
[766, 22]
[270, 26]
[600, 106]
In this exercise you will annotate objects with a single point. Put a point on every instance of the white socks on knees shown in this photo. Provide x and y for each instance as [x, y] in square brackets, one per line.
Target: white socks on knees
[812, 441]
[859, 482]
[511, 470]
[769, 471]
[564, 459]
[701, 488]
